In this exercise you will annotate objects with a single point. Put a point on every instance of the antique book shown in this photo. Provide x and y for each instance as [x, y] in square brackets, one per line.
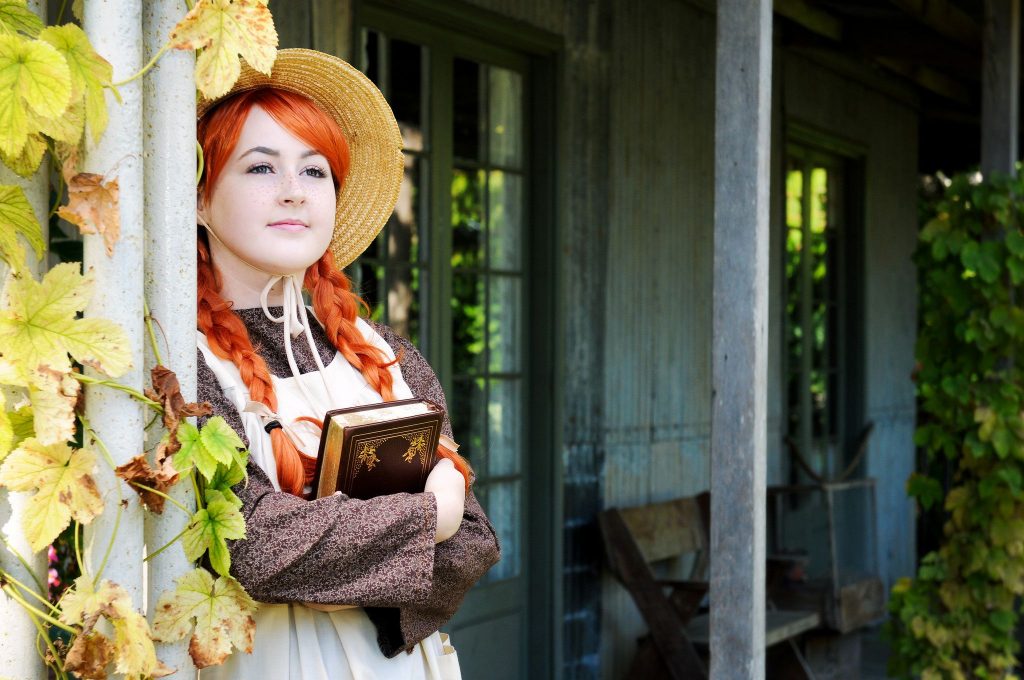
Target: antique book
[377, 449]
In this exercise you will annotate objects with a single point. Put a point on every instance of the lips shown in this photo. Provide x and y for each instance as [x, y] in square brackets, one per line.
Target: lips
[288, 225]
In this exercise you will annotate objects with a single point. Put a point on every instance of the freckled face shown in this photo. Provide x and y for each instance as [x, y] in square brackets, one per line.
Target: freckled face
[273, 204]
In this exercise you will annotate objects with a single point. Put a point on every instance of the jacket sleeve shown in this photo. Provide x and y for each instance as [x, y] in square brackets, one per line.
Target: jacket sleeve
[460, 561]
[334, 550]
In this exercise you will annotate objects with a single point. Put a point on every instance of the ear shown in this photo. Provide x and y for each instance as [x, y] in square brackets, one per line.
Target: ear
[201, 216]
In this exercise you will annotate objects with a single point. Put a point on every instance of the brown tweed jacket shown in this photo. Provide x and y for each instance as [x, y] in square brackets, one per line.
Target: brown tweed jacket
[379, 553]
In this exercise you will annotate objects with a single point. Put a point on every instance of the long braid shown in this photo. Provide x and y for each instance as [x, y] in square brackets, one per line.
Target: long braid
[229, 339]
[337, 307]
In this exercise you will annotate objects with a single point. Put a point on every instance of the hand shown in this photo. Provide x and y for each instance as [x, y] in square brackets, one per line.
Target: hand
[449, 489]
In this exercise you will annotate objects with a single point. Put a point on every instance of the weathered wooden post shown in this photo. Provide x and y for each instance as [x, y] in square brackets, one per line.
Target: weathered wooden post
[18, 633]
[169, 134]
[1000, 91]
[740, 340]
[115, 29]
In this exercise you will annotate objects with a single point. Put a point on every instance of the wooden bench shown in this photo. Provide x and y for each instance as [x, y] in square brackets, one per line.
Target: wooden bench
[638, 538]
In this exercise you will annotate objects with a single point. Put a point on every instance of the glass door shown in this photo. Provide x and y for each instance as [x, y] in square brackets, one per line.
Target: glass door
[448, 272]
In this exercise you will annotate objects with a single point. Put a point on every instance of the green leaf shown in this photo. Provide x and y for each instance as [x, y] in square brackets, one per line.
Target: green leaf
[90, 73]
[1002, 620]
[211, 528]
[220, 440]
[226, 477]
[17, 217]
[1015, 242]
[33, 75]
[216, 444]
[16, 17]
[926, 490]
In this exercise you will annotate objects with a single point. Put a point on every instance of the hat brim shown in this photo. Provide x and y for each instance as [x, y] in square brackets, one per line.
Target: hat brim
[376, 165]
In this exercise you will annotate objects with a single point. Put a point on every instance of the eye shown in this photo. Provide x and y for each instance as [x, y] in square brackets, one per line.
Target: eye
[315, 171]
[260, 169]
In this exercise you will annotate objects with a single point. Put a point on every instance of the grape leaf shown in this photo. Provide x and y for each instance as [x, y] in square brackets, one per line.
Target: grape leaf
[16, 17]
[53, 396]
[66, 127]
[17, 217]
[27, 161]
[220, 610]
[90, 74]
[93, 208]
[167, 391]
[38, 325]
[225, 29]
[33, 74]
[89, 656]
[211, 528]
[217, 443]
[62, 479]
[6, 428]
[134, 653]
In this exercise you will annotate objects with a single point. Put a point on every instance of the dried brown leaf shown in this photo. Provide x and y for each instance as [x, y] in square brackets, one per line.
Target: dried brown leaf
[93, 207]
[138, 471]
[167, 391]
[90, 655]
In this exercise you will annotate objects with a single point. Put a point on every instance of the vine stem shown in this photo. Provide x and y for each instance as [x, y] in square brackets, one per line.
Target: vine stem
[16, 596]
[152, 335]
[89, 380]
[6, 576]
[24, 563]
[195, 487]
[163, 495]
[61, 673]
[145, 69]
[120, 498]
[166, 545]
[78, 546]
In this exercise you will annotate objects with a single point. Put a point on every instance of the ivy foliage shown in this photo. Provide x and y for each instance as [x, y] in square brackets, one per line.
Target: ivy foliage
[957, 618]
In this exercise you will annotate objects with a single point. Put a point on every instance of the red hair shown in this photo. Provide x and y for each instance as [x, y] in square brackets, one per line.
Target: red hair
[334, 303]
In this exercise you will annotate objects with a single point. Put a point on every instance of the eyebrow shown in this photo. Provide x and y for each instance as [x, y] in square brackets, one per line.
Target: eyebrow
[273, 152]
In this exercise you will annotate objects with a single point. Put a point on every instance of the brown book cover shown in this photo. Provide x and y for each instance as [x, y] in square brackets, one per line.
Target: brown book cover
[377, 449]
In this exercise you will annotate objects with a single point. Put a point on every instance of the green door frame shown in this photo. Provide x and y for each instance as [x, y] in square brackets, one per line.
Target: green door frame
[496, 39]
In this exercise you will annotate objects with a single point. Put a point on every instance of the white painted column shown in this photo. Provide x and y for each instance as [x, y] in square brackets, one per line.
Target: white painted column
[1000, 86]
[115, 29]
[18, 634]
[170, 280]
[740, 340]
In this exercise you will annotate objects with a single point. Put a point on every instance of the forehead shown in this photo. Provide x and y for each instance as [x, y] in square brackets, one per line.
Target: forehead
[260, 129]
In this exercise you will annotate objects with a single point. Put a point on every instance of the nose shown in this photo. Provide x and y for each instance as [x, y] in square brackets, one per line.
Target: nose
[291, 191]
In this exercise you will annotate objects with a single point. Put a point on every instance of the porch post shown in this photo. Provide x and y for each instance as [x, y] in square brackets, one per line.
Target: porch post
[169, 106]
[115, 29]
[740, 341]
[999, 85]
[17, 632]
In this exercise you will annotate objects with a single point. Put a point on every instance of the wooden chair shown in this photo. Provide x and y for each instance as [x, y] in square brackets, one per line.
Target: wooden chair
[634, 538]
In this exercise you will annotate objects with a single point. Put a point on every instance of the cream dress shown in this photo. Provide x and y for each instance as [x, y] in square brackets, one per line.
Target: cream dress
[295, 642]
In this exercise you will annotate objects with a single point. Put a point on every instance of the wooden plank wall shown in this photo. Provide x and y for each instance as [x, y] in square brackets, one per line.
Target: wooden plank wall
[887, 130]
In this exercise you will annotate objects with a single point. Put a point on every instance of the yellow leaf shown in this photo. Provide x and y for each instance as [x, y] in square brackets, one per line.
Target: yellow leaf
[90, 73]
[134, 654]
[14, 128]
[27, 162]
[16, 217]
[16, 17]
[66, 127]
[93, 207]
[220, 610]
[77, 8]
[36, 72]
[62, 479]
[38, 325]
[53, 396]
[6, 429]
[225, 29]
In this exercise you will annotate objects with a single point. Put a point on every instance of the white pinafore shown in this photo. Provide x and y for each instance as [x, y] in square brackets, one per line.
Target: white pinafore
[295, 642]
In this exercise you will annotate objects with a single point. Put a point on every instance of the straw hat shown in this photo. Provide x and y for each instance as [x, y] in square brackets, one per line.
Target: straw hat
[370, 190]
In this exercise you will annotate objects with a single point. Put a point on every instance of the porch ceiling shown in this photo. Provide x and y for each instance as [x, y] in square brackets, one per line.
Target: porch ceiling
[933, 46]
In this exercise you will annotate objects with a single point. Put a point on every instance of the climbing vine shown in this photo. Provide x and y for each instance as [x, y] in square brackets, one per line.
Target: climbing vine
[957, 618]
[53, 102]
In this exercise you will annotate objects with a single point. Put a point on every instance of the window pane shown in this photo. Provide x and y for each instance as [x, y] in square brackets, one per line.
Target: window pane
[405, 90]
[368, 282]
[504, 219]
[406, 294]
[506, 128]
[504, 427]
[467, 324]
[371, 45]
[503, 333]
[467, 123]
[407, 223]
[819, 200]
[467, 218]
[468, 417]
[503, 511]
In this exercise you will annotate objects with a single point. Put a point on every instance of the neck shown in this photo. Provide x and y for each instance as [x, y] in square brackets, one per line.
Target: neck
[242, 286]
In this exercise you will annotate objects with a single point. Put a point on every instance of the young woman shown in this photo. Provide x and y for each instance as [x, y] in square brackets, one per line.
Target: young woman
[301, 171]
